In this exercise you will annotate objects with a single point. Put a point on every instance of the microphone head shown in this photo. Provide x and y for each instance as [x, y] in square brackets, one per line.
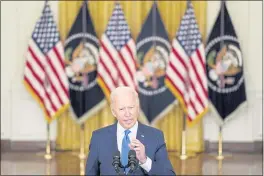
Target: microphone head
[116, 161]
[132, 161]
[131, 153]
[117, 154]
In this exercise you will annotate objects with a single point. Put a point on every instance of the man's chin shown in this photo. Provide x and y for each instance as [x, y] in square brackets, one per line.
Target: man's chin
[129, 124]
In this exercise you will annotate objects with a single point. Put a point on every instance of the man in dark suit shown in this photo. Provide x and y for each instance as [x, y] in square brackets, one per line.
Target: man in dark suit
[128, 134]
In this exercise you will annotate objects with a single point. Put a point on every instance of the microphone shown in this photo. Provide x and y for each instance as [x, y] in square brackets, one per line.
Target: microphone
[132, 161]
[116, 161]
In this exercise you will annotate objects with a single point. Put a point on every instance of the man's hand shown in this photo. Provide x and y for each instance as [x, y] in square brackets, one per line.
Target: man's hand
[139, 149]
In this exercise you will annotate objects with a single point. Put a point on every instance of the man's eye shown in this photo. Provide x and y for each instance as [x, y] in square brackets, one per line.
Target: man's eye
[121, 109]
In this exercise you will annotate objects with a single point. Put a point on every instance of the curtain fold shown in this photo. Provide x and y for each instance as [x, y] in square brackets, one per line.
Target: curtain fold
[68, 132]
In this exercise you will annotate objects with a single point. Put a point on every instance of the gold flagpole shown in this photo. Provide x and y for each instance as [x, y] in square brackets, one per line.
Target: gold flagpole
[183, 167]
[220, 145]
[220, 155]
[48, 167]
[82, 154]
[82, 167]
[220, 167]
[184, 154]
[48, 154]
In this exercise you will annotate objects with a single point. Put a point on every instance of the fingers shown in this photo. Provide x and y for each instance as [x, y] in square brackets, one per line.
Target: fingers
[136, 145]
[137, 149]
[131, 147]
[135, 141]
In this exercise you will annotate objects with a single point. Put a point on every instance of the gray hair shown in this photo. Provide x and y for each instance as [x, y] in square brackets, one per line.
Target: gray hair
[116, 90]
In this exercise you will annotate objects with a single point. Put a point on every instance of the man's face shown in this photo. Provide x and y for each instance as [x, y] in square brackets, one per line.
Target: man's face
[125, 108]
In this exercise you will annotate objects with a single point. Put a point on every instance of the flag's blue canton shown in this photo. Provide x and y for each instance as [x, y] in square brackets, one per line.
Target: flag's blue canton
[189, 35]
[46, 34]
[117, 29]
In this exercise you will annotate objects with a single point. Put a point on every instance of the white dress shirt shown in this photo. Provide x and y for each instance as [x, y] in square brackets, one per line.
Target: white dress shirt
[132, 135]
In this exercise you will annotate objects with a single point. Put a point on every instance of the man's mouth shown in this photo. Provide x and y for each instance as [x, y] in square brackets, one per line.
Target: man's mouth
[128, 121]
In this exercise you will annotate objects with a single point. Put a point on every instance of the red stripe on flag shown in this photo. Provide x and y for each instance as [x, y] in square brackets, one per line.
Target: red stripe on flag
[100, 77]
[126, 66]
[51, 102]
[52, 85]
[192, 104]
[108, 71]
[197, 95]
[28, 65]
[59, 57]
[41, 83]
[178, 90]
[55, 90]
[36, 58]
[112, 60]
[179, 58]
[203, 66]
[201, 61]
[57, 75]
[37, 94]
[131, 55]
[178, 73]
[189, 118]
[198, 77]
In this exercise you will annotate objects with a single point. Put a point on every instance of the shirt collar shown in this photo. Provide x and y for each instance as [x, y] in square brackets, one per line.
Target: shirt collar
[121, 129]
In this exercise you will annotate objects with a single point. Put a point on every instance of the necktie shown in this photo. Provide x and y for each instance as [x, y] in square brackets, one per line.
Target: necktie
[125, 150]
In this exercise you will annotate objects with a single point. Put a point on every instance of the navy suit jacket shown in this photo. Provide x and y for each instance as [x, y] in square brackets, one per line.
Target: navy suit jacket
[103, 147]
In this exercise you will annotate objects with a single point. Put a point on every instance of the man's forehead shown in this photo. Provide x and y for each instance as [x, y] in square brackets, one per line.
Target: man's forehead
[121, 92]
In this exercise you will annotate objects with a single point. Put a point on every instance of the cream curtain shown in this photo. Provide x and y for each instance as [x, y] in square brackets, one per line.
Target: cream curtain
[68, 134]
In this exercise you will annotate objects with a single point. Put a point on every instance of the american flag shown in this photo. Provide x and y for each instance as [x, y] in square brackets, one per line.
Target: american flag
[117, 64]
[186, 75]
[44, 74]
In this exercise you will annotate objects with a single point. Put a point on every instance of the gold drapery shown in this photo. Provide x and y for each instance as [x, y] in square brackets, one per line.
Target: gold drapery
[68, 135]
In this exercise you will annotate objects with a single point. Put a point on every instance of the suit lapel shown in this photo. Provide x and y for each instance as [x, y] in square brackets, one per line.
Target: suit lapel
[112, 139]
[141, 133]
[111, 147]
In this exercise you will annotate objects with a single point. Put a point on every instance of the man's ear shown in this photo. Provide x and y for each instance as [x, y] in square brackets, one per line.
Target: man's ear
[113, 111]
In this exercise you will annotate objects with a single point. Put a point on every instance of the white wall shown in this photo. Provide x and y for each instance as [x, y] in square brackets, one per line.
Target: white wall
[247, 20]
[22, 119]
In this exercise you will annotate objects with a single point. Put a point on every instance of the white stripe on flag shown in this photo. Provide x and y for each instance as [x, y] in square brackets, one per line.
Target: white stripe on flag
[39, 88]
[61, 74]
[108, 63]
[37, 52]
[178, 65]
[106, 78]
[176, 80]
[35, 66]
[60, 68]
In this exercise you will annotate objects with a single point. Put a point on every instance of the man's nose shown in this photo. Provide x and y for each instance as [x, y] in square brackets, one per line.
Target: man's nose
[127, 112]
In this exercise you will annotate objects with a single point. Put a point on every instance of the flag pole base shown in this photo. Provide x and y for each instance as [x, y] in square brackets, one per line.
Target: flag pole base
[82, 167]
[188, 154]
[82, 156]
[48, 167]
[183, 157]
[47, 156]
[78, 154]
[220, 156]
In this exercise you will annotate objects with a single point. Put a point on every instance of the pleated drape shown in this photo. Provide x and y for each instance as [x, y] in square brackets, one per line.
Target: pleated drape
[68, 132]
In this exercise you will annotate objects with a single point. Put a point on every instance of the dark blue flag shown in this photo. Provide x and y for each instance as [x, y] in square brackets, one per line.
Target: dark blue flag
[153, 49]
[82, 52]
[224, 63]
